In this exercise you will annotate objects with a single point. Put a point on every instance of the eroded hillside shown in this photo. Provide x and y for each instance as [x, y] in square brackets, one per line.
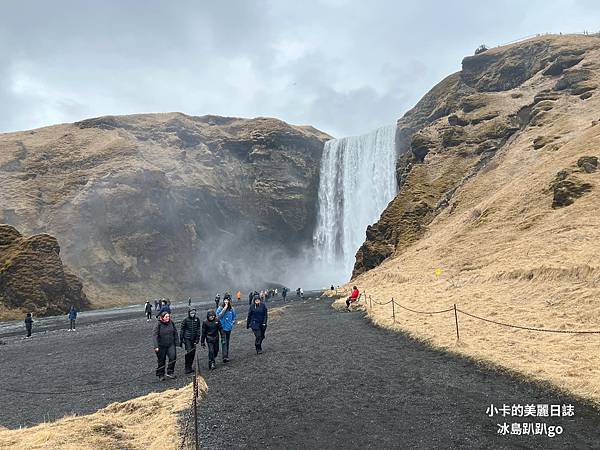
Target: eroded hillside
[164, 204]
[499, 190]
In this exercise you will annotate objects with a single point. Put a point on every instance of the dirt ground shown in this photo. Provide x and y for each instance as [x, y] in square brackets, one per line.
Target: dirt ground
[326, 379]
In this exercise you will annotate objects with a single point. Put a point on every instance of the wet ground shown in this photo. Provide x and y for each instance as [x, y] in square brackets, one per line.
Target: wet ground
[326, 379]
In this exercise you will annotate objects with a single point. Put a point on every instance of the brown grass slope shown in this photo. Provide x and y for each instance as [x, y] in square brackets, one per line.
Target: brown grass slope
[148, 422]
[33, 277]
[500, 190]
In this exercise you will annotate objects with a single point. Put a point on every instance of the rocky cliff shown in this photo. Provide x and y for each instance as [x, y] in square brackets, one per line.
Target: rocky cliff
[33, 277]
[498, 214]
[456, 132]
[165, 204]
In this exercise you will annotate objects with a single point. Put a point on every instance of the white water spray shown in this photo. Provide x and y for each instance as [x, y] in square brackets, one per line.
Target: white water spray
[358, 180]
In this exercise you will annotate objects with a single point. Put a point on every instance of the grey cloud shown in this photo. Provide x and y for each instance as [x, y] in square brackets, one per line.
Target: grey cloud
[342, 66]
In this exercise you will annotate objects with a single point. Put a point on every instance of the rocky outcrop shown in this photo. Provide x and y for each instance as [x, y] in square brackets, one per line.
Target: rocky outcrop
[33, 277]
[461, 126]
[165, 204]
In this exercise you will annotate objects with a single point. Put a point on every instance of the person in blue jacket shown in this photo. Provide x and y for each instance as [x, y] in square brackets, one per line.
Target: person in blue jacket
[72, 317]
[164, 307]
[226, 315]
[257, 320]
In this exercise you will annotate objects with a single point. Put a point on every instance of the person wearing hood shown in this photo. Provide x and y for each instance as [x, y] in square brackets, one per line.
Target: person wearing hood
[166, 340]
[212, 331]
[257, 321]
[189, 335]
[217, 300]
[148, 310]
[226, 315]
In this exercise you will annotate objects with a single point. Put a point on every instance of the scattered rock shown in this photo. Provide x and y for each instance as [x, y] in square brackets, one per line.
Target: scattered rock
[567, 188]
[588, 164]
[562, 63]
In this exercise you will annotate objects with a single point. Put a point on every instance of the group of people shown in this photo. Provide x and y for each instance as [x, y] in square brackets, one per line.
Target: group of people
[71, 315]
[214, 333]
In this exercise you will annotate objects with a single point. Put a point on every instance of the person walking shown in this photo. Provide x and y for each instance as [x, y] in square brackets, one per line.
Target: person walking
[166, 341]
[217, 300]
[226, 315]
[250, 297]
[189, 335]
[72, 317]
[148, 310]
[28, 324]
[156, 304]
[238, 296]
[164, 307]
[257, 321]
[211, 334]
[190, 302]
[284, 293]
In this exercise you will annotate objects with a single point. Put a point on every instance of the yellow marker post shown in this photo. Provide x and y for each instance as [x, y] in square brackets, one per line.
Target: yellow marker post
[437, 272]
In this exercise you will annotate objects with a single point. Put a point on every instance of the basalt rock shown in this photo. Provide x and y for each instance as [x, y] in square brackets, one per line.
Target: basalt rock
[33, 277]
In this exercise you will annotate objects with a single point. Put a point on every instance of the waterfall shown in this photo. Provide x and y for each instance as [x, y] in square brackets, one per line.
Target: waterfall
[358, 180]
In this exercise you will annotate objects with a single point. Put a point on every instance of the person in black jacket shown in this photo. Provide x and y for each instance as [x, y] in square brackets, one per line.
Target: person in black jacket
[189, 335]
[28, 324]
[211, 334]
[148, 310]
[257, 320]
[166, 340]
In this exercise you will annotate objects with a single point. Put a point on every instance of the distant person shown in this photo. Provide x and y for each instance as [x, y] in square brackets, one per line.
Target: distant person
[217, 300]
[284, 293]
[189, 335]
[332, 287]
[164, 307]
[211, 334]
[28, 324]
[156, 305]
[72, 317]
[353, 297]
[301, 292]
[238, 296]
[169, 302]
[166, 340]
[257, 321]
[250, 297]
[189, 301]
[276, 292]
[226, 315]
[148, 310]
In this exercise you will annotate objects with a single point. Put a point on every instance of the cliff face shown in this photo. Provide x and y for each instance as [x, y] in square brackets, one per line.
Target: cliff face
[459, 129]
[165, 204]
[33, 278]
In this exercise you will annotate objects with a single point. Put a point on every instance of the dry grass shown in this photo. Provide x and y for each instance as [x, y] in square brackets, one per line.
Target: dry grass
[505, 254]
[148, 422]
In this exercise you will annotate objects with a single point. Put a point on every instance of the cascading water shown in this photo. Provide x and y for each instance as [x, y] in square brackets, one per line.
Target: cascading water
[358, 180]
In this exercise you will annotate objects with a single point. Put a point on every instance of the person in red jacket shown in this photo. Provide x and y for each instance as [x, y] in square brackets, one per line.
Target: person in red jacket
[353, 297]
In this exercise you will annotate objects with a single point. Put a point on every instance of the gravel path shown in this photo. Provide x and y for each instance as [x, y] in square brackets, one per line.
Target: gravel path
[327, 379]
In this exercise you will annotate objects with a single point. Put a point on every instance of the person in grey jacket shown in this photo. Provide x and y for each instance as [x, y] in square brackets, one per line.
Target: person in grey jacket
[166, 339]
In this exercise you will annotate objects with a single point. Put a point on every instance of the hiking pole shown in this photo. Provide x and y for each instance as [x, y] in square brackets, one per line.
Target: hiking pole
[456, 320]
[393, 311]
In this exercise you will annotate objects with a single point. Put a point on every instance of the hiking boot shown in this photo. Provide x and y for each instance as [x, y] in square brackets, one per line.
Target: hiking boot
[259, 351]
[161, 378]
[172, 376]
[189, 371]
[225, 360]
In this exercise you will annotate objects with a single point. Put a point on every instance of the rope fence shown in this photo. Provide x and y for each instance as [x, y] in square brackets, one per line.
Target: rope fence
[193, 411]
[368, 300]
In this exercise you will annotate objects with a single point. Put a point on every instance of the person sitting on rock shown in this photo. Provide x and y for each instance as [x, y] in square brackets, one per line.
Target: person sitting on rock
[353, 297]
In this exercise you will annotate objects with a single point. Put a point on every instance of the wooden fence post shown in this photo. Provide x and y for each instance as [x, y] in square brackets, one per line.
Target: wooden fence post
[456, 320]
[393, 311]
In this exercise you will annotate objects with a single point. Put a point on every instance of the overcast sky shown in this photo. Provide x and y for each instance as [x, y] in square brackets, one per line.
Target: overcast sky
[345, 67]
